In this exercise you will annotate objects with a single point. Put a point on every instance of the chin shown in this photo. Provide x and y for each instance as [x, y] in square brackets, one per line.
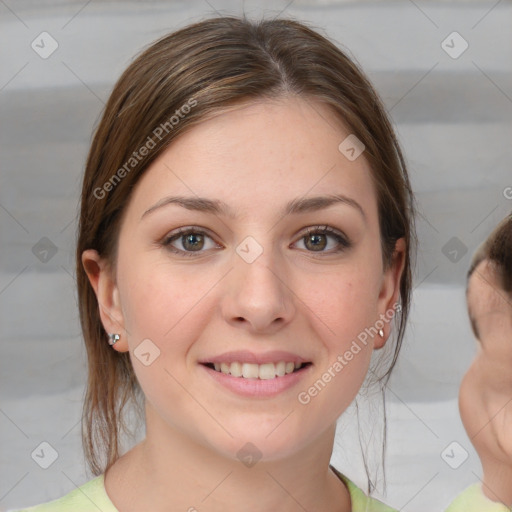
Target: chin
[257, 444]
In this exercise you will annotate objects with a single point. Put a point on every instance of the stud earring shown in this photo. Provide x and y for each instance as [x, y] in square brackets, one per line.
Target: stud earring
[113, 339]
[381, 333]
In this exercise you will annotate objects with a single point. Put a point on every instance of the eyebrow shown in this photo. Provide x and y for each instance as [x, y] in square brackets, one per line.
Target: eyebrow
[296, 206]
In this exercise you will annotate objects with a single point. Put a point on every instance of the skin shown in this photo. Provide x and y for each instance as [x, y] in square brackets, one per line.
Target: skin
[485, 397]
[256, 159]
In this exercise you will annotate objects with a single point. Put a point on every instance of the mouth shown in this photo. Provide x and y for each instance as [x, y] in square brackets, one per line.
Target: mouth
[265, 371]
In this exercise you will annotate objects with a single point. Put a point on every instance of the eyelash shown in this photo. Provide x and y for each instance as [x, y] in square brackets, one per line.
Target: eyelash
[342, 240]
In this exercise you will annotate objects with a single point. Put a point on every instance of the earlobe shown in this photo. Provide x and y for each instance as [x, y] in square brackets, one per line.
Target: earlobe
[390, 291]
[104, 285]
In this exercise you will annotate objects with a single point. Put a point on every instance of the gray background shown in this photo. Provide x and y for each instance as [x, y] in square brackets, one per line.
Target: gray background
[453, 119]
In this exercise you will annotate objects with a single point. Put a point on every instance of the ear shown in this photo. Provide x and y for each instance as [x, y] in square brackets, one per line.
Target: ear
[100, 276]
[390, 290]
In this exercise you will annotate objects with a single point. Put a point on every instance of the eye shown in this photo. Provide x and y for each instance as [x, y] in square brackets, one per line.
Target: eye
[190, 241]
[187, 241]
[319, 238]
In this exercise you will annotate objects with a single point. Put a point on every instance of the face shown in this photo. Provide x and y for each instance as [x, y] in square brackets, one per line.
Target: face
[484, 397]
[488, 304]
[248, 275]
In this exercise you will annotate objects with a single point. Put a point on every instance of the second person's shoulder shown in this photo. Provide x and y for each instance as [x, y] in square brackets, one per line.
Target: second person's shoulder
[474, 500]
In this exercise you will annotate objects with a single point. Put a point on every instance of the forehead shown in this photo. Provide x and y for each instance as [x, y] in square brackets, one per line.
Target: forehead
[485, 293]
[263, 152]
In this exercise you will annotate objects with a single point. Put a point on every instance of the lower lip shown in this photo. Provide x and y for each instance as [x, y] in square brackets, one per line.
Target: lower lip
[258, 388]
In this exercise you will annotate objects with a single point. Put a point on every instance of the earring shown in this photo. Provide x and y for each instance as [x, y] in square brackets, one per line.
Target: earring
[113, 338]
[381, 333]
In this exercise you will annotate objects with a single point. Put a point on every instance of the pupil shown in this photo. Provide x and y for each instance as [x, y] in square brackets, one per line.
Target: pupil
[318, 242]
[193, 242]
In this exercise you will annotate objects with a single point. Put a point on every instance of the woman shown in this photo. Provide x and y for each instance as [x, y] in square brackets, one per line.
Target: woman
[244, 247]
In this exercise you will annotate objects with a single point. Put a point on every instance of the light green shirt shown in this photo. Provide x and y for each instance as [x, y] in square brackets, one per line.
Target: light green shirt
[92, 497]
[473, 499]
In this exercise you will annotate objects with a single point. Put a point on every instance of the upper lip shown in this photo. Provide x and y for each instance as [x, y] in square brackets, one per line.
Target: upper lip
[244, 356]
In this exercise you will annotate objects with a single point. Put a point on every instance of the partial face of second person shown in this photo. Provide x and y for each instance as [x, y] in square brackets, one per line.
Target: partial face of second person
[210, 297]
[485, 397]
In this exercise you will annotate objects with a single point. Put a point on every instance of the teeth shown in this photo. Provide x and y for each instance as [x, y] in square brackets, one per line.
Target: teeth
[236, 369]
[250, 371]
[281, 369]
[265, 371]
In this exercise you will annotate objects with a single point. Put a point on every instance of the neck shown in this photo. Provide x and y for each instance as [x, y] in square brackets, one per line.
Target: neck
[496, 481]
[171, 471]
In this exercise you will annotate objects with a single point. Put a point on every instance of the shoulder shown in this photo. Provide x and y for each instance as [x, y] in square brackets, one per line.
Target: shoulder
[361, 502]
[474, 500]
[89, 497]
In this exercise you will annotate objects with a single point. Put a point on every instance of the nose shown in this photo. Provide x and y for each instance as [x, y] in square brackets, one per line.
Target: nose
[258, 296]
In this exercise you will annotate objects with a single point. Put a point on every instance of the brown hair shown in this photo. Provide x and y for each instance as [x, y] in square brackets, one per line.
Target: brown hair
[497, 250]
[212, 66]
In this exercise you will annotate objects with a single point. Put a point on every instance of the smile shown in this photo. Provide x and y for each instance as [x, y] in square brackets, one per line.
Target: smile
[266, 371]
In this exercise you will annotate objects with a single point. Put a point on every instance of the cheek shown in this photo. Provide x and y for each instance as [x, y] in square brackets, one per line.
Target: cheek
[468, 401]
[172, 309]
[345, 309]
[158, 301]
[161, 305]
[464, 399]
[346, 301]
